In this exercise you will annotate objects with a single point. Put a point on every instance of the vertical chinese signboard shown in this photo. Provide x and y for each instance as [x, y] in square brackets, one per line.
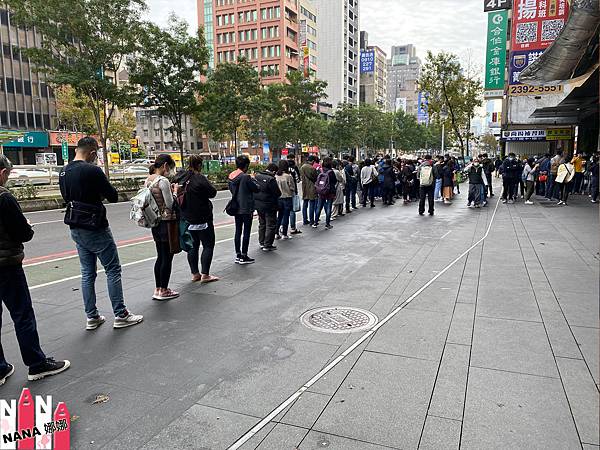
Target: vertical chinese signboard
[495, 64]
[536, 24]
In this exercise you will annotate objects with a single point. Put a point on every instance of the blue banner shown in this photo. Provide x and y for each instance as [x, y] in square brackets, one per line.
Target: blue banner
[422, 112]
[367, 61]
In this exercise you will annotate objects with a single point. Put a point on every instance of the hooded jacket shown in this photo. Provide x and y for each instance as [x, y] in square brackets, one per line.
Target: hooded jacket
[246, 187]
[197, 207]
[266, 199]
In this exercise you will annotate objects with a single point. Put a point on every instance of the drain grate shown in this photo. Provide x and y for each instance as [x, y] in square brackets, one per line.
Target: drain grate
[338, 319]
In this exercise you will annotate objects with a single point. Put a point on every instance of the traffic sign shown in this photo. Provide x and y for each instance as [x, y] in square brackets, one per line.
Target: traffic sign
[65, 151]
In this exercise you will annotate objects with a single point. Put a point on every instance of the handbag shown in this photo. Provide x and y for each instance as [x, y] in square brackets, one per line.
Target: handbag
[173, 233]
[232, 207]
[186, 242]
[85, 215]
[543, 178]
[295, 203]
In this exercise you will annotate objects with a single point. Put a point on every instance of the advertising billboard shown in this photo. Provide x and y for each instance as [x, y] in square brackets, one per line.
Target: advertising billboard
[495, 63]
[367, 61]
[422, 112]
[537, 23]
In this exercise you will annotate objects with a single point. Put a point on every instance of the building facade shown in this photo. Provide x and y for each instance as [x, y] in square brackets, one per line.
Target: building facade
[339, 51]
[373, 74]
[403, 71]
[26, 101]
[264, 32]
[308, 38]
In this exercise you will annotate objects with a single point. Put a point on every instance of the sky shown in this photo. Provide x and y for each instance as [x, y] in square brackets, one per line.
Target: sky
[457, 26]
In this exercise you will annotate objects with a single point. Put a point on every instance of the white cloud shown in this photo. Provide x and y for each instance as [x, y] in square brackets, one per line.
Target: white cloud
[457, 26]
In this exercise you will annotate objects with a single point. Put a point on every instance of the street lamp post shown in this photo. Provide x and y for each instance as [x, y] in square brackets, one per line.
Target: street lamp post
[443, 116]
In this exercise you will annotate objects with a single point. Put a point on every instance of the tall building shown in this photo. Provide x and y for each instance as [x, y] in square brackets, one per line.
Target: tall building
[339, 49]
[308, 38]
[264, 32]
[373, 74]
[404, 70]
[26, 101]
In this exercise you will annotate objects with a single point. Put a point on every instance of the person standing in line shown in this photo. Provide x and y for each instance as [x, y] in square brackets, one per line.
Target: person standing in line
[579, 163]
[476, 175]
[511, 173]
[326, 197]
[528, 176]
[338, 202]
[426, 185]
[162, 233]
[497, 166]
[83, 186]
[286, 185]
[564, 179]
[389, 182]
[551, 191]
[438, 169]
[448, 182]
[197, 210]
[14, 291]
[267, 204]
[242, 187]
[308, 175]
[295, 173]
[594, 173]
[488, 169]
[543, 174]
[351, 172]
[368, 179]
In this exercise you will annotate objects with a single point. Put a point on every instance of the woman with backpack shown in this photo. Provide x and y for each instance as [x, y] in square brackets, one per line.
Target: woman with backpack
[287, 186]
[448, 182]
[326, 187]
[166, 230]
[340, 176]
[369, 181]
[193, 195]
[408, 181]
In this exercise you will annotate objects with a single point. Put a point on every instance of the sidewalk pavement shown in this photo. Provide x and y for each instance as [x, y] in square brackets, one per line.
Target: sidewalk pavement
[501, 351]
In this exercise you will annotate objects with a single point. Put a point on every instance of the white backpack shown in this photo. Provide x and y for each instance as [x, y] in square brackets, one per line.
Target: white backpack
[426, 176]
[144, 209]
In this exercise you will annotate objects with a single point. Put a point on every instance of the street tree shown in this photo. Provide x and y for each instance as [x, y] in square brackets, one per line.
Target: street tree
[229, 97]
[488, 144]
[344, 129]
[73, 111]
[168, 67]
[450, 90]
[374, 127]
[122, 128]
[84, 45]
[408, 134]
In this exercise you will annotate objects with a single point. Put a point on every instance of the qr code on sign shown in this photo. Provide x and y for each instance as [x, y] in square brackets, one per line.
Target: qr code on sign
[526, 32]
[551, 29]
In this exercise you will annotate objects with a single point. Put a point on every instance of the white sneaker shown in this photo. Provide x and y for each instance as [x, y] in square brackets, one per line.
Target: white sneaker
[94, 323]
[529, 202]
[286, 237]
[127, 320]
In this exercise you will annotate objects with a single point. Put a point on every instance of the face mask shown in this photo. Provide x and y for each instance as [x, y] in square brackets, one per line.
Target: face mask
[476, 164]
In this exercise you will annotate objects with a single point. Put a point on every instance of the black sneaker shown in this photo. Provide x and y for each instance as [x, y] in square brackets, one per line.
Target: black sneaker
[245, 259]
[295, 231]
[6, 373]
[47, 368]
[328, 227]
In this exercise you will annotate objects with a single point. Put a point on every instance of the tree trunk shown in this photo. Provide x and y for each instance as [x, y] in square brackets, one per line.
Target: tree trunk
[454, 125]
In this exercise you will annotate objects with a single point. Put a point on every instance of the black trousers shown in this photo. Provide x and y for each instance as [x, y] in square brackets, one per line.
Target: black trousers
[267, 227]
[14, 293]
[207, 239]
[426, 192]
[368, 192]
[489, 185]
[243, 229]
[510, 188]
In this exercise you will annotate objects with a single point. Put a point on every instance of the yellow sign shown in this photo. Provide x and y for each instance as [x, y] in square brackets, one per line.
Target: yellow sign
[115, 158]
[558, 134]
[525, 89]
[133, 142]
[134, 150]
[306, 51]
[177, 158]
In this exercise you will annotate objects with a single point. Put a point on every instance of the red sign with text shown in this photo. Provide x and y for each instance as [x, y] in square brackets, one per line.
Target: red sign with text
[537, 23]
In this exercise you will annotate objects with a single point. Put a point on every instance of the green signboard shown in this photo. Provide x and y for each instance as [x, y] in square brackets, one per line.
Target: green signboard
[495, 63]
[65, 151]
[31, 139]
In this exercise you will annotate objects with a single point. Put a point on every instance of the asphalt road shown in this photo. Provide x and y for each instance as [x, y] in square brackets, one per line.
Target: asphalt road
[52, 239]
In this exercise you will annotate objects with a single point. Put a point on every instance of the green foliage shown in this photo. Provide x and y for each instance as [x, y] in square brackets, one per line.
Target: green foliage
[73, 111]
[344, 129]
[128, 184]
[168, 67]
[84, 45]
[230, 96]
[488, 143]
[444, 79]
[26, 192]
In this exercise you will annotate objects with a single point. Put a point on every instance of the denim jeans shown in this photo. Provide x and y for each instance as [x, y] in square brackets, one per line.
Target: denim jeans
[309, 211]
[14, 293]
[283, 216]
[91, 246]
[550, 186]
[437, 194]
[351, 195]
[327, 204]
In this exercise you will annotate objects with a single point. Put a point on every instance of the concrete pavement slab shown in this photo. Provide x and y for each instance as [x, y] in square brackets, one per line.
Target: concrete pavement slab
[583, 398]
[512, 345]
[305, 411]
[403, 384]
[281, 437]
[461, 326]
[316, 440]
[511, 410]
[449, 392]
[588, 340]
[440, 434]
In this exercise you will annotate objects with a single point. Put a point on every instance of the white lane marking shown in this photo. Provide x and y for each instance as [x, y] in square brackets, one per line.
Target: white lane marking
[450, 231]
[46, 222]
[260, 425]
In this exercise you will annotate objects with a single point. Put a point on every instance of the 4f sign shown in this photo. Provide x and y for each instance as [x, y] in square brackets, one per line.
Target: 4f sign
[495, 5]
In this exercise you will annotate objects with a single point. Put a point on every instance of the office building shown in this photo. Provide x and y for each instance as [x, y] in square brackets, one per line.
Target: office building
[373, 74]
[339, 49]
[264, 32]
[308, 38]
[404, 69]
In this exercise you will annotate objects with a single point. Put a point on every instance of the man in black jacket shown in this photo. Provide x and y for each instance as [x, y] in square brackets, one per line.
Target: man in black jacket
[82, 181]
[266, 205]
[511, 173]
[14, 292]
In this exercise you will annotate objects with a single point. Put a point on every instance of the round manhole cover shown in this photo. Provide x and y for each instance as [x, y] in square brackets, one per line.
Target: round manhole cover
[338, 319]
